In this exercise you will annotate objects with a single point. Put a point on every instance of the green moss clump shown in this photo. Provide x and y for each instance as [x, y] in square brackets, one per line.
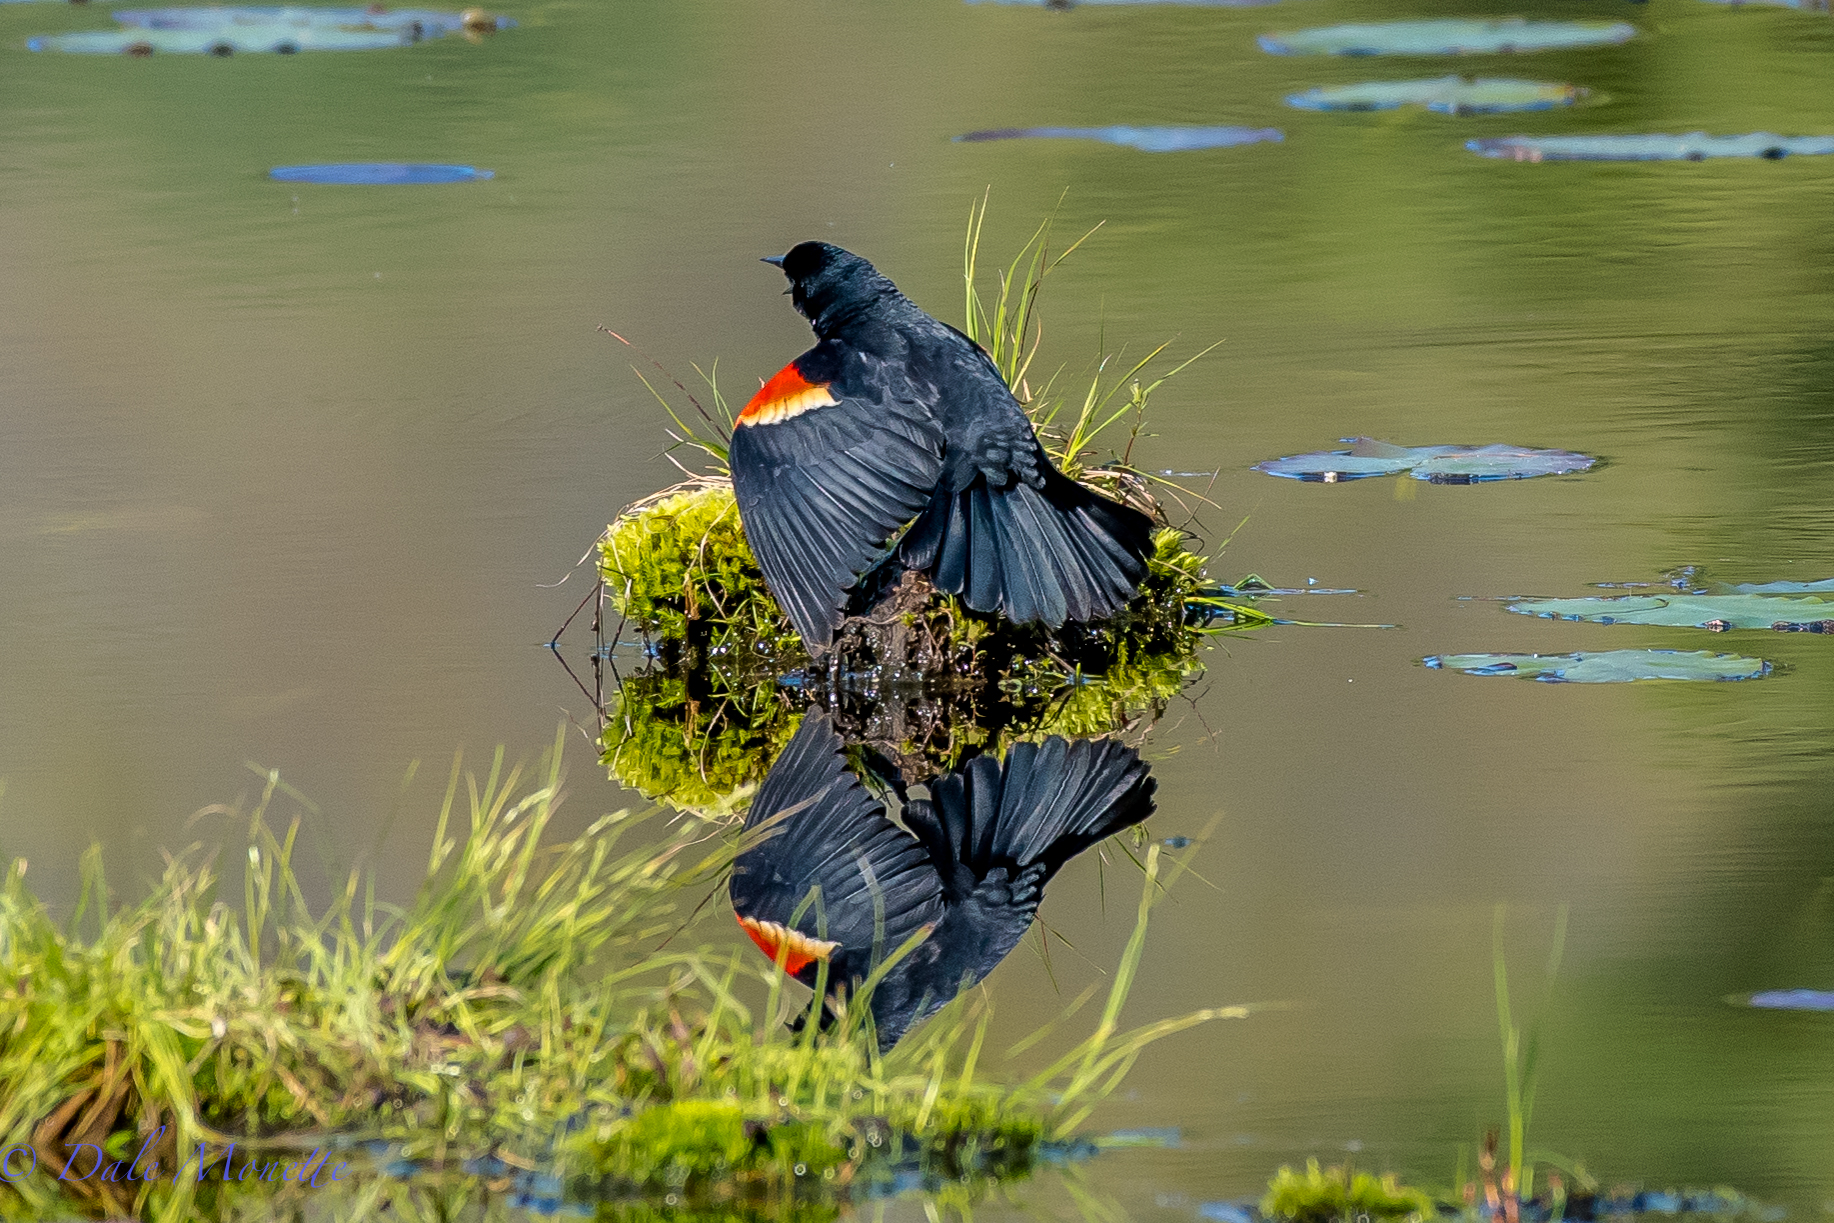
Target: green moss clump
[679, 571]
[923, 679]
[674, 1142]
[1334, 1195]
[678, 568]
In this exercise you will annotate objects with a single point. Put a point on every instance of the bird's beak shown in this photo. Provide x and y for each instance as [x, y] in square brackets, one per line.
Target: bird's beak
[775, 261]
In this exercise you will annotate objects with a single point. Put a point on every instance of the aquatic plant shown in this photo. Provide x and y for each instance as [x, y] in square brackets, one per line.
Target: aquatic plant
[226, 30]
[1696, 146]
[1338, 1195]
[678, 569]
[1446, 95]
[1607, 667]
[1162, 139]
[1448, 37]
[378, 173]
[1367, 458]
[524, 1008]
[1792, 1000]
[1521, 1063]
[1715, 612]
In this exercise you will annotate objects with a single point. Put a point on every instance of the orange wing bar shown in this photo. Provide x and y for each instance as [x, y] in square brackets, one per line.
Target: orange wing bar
[771, 937]
[787, 394]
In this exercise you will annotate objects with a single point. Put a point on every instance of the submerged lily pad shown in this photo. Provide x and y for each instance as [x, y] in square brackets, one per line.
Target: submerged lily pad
[1719, 613]
[1794, 1000]
[1146, 139]
[1447, 37]
[1697, 146]
[1446, 95]
[233, 30]
[1436, 464]
[378, 173]
[1606, 667]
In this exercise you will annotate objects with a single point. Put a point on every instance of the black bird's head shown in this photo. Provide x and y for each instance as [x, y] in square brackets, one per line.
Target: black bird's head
[831, 287]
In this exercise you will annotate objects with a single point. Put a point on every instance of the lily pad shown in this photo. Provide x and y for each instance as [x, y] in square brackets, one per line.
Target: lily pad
[1448, 37]
[1163, 1137]
[1146, 139]
[1697, 146]
[1228, 1212]
[1720, 613]
[1812, 5]
[378, 173]
[1606, 667]
[243, 30]
[1436, 464]
[229, 40]
[418, 23]
[1446, 95]
[1065, 4]
[1254, 586]
[1794, 1000]
[1825, 586]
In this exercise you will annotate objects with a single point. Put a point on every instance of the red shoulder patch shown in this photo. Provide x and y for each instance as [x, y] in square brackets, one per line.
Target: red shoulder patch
[771, 936]
[787, 394]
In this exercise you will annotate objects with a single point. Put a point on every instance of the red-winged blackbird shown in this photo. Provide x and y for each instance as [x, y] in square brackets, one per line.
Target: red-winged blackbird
[986, 842]
[894, 416]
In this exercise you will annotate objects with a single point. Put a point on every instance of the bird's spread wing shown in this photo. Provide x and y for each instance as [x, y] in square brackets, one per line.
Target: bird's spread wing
[829, 459]
[874, 886]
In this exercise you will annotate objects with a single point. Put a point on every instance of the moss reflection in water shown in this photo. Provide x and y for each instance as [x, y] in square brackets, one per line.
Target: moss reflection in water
[518, 1017]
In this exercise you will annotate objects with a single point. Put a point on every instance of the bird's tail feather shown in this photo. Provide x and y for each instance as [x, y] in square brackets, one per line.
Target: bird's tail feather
[1059, 553]
[1047, 803]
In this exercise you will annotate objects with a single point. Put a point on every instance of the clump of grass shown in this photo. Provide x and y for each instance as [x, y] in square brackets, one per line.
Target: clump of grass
[525, 1007]
[1339, 1195]
[1509, 1185]
[1521, 1058]
[1011, 332]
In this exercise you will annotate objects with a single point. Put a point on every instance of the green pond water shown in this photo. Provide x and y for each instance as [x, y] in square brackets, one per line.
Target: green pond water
[284, 468]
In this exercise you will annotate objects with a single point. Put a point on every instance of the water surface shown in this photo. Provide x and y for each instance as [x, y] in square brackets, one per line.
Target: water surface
[284, 470]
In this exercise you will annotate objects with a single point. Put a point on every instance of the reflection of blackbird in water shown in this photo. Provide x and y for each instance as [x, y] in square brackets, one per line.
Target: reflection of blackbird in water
[986, 842]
